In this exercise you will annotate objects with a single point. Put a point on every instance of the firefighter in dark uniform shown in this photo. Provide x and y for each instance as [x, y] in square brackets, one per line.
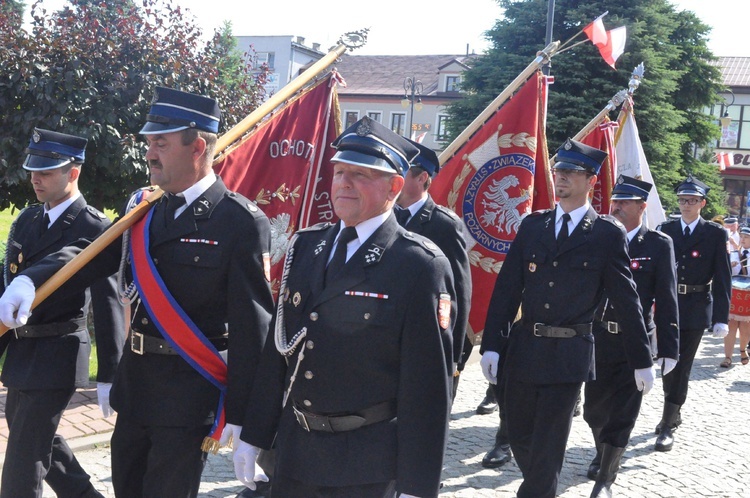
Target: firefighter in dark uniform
[48, 357]
[356, 387]
[613, 401]
[417, 212]
[207, 250]
[704, 286]
[544, 358]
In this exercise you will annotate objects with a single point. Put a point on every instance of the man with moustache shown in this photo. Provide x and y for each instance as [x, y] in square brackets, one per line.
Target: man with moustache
[200, 265]
[544, 358]
[704, 285]
[354, 393]
[613, 400]
[48, 357]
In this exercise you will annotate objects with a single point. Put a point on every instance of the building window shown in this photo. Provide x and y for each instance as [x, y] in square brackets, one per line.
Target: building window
[442, 128]
[452, 83]
[267, 58]
[398, 122]
[351, 117]
[737, 199]
[737, 134]
[375, 116]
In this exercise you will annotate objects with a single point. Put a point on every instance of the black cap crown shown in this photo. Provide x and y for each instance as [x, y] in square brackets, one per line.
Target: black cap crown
[173, 110]
[630, 188]
[50, 150]
[580, 157]
[692, 186]
[427, 159]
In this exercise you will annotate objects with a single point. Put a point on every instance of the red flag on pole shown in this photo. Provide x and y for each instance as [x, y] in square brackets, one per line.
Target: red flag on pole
[495, 179]
[602, 137]
[724, 159]
[284, 165]
[611, 44]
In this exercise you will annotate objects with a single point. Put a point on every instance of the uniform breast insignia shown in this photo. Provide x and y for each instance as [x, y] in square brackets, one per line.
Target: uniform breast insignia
[694, 254]
[296, 299]
[635, 263]
[373, 255]
[444, 311]
[366, 294]
[532, 267]
[200, 241]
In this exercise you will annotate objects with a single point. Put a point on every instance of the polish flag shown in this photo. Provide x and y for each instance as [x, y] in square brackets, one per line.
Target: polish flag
[611, 44]
[724, 159]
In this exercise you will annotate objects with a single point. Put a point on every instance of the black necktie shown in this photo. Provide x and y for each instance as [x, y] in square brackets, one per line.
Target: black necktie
[563, 235]
[339, 256]
[173, 204]
[743, 262]
[45, 223]
[687, 232]
[402, 216]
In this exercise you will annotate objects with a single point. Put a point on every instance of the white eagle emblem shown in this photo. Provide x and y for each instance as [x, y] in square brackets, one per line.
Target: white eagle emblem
[280, 235]
[500, 208]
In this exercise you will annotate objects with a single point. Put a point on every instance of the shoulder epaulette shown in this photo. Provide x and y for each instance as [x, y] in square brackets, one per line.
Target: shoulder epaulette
[540, 211]
[447, 211]
[317, 227]
[95, 212]
[611, 219]
[714, 224]
[422, 241]
[243, 201]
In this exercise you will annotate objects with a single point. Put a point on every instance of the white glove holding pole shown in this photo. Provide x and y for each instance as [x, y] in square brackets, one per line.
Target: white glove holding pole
[231, 433]
[245, 458]
[15, 304]
[721, 330]
[644, 378]
[489, 363]
[102, 398]
[666, 364]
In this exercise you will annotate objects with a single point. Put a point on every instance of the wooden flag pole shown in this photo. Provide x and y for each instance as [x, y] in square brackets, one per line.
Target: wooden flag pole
[350, 41]
[542, 58]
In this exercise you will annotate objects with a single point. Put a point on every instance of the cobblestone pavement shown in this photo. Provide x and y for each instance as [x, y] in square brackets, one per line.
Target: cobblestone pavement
[709, 458]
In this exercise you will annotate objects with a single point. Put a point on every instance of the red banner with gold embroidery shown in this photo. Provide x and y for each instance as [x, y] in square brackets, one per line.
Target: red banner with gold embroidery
[602, 137]
[284, 165]
[500, 175]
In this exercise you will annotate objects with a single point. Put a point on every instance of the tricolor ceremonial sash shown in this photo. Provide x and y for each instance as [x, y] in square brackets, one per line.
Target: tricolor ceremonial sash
[175, 325]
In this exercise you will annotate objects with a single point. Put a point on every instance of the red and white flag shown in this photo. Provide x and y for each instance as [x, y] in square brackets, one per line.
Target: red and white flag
[611, 44]
[500, 175]
[602, 137]
[725, 160]
[284, 165]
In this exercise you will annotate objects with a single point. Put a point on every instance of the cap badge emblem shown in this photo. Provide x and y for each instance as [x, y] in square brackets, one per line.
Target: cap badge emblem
[363, 129]
[36, 137]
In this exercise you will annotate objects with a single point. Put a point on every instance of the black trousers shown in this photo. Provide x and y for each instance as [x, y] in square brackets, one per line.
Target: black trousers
[676, 382]
[157, 462]
[283, 487]
[539, 418]
[35, 453]
[612, 403]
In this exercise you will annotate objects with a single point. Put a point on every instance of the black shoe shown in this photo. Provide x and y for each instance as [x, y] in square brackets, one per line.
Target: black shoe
[665, 440]
[487, 406]
[262, 490]
[497, 456]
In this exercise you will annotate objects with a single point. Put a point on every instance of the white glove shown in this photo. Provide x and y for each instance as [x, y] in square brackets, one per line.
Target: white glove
[230, 434]
[102, 398]
[644, 378]
[18, 297]
[720, 330]
[489, 362]
[245, 458]
[666, 364]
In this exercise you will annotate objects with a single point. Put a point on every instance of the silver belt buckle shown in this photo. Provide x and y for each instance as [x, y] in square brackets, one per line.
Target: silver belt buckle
[136, 342]
[536, 329]
[301, 419]
[612, 328]
[681, 289]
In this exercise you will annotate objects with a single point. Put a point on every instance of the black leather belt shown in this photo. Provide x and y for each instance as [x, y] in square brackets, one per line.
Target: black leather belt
[342, 423]
[50, 329]
[690, 289]
[142, 344]
[562, 331]
[611, 327]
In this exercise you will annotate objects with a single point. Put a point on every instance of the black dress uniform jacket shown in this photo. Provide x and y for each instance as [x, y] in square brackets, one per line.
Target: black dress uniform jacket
[359, 351]
[63, 361]
[702, 258]
[561, 288]
[210, 260]
[653, 266]
[446, 230]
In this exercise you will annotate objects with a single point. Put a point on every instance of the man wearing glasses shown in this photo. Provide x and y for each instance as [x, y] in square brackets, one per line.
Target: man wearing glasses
[703, 293]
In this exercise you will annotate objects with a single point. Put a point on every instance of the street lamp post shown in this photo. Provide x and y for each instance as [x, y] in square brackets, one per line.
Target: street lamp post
[412, 99]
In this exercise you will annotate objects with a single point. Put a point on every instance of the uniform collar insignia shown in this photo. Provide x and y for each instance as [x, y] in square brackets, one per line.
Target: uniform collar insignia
[201, 206]
[373, 254]
[319, 248]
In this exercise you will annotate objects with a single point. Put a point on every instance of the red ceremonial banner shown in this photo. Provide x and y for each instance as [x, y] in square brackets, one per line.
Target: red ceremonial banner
[603, 138]
[495, 179]
[284, 165]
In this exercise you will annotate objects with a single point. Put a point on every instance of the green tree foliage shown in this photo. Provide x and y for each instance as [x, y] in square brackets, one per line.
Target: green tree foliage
[90, 69]
[679, 80]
